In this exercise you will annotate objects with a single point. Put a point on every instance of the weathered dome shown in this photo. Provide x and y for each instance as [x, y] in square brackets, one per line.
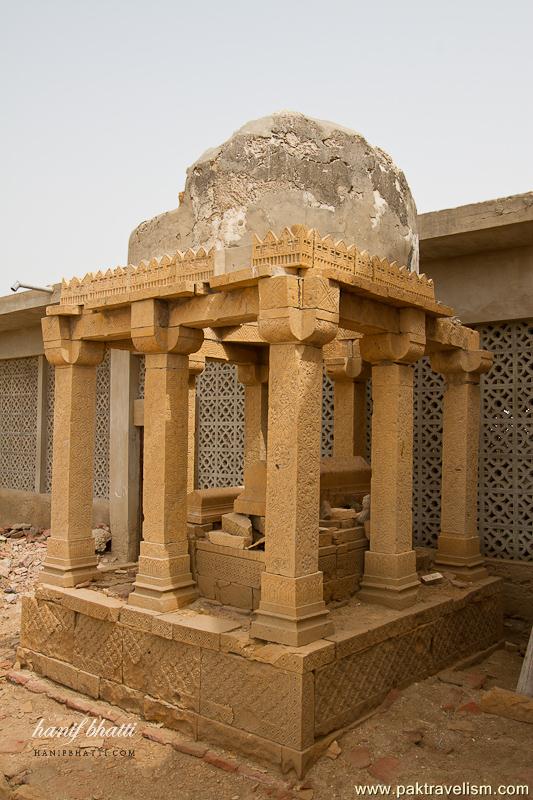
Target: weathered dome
[284, 169]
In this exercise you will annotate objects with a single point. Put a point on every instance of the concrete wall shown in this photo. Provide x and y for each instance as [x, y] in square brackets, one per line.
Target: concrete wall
[21, 343]
[485, 287]
[17, 506]
[481, 258]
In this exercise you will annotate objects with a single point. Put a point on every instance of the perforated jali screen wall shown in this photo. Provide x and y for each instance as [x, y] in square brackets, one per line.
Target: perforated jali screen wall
[506, 445]
[506, 452]
[220, 438]
[220, 442]
[101, 442]
[18, 423]
[506, 440]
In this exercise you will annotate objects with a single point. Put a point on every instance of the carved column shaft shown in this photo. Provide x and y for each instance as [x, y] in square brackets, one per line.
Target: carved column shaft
[196, 367]
[345, 368]
[164, 581]
[390, 576]
[255, 422]
[297, 317]
[70, 557]
[255, 380]
[458, 544]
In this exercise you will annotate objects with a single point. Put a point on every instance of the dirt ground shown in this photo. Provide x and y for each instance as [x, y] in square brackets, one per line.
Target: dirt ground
[433, 732]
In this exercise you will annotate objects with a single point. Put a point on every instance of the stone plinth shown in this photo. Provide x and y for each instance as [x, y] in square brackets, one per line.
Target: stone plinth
[204, 676]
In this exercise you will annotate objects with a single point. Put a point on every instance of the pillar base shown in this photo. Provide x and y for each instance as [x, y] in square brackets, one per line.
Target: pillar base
[461, 555]
[289, 630]
[390, 579]
[68, 577]
[385, 594]
[145, 596]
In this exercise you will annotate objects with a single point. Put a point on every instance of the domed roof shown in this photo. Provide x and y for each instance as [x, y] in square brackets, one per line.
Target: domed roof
[285, 169]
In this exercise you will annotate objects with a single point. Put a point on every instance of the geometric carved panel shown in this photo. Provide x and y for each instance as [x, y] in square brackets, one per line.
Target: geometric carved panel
[101, 440]
[18, 423]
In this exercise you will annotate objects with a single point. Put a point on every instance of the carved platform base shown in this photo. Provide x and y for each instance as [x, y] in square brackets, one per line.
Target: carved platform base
[205, 676]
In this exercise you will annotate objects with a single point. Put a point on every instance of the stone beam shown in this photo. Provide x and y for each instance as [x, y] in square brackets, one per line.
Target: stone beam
[448, 334]
[360, 314]
[216, 310]
[103, 325]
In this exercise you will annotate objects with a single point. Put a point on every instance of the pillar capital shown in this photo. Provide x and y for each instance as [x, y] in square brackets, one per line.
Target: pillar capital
[462, 365]
[403, 347]
[298, 310]
[343, 361]
[62, 351]
[252, 374]
[151, 332]
[196, 365]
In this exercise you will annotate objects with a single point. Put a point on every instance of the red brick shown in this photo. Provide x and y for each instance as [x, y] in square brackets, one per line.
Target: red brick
[390, 699]
[36, 686]
[191, 748]
[452, 699]
[12, 745]
[157, 735]
[385, 769]
[220, 762]
[262, 777]
[358, 757]
[470, 708]
[18, 677]
[475, 680]
[78, 704]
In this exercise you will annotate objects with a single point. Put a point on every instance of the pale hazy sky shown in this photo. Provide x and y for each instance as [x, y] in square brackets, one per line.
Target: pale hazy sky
[105, 104]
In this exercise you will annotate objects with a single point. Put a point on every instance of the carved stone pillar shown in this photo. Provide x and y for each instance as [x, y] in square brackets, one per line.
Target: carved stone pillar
[70, 557]
[164, 581]
[196, 367]
[297, 316]
[458, 544]
[346, 369]
[390, 576]
[255, 380]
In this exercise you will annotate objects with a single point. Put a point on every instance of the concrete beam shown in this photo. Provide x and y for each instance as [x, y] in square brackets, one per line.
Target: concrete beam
[478, 227]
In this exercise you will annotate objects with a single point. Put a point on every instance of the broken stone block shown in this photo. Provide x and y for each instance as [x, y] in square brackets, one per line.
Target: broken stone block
[343, 513]
[507, 704]
[258, 524]
[237, 525]
[432, 578]
[333, 750]
[101, 537]
[325, 510]
[229, 540]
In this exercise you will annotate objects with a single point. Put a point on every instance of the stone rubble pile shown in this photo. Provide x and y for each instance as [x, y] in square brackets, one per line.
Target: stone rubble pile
[22, 552]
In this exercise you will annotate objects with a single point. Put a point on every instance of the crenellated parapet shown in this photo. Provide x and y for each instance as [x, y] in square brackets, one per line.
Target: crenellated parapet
[149, 278]
[299, 247]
